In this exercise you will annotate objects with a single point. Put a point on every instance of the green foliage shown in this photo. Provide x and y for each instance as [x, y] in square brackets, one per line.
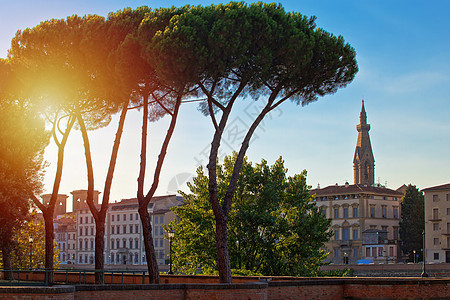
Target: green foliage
[412, 223]
[258, 46]
[21, 245]
[274, 227]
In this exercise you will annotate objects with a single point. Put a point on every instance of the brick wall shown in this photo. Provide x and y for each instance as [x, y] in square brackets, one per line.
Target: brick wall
[301, 288]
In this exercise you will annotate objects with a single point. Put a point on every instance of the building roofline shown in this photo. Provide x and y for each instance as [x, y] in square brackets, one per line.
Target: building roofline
[437, 187]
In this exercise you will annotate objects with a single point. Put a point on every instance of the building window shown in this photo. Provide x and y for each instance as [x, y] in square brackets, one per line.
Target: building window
[383, 211]
[435, 198]
[395, 233]
[336, 252]
[131, 243]
[324, 211]
[448, 211]
[81, 231]
[395, 212]
[355, 234]
[136, 228]
[112, 229]
[92, 230]
[161, 220]
[355, 252]
[448, 197]
[124, 227]
[81, 220]
[161, 243]
[336, 234]
[156, 220]
[435, 226]
[136, 243]
[86, 219]
[355, 212]
[336, 213]
[372, 211]
[118, 228]
[345, 212]
[435, 213]
[118, 218]
[112, 219]
[92, 244]
[345, 234]
[161, 230]
[124, 217]
[131, 227]
[436, 241]
[86, 230]
[367, 252]
[81, 244]
[117, 243]
[85, 244]
[124, 243]
[112, 244]
[436, 256]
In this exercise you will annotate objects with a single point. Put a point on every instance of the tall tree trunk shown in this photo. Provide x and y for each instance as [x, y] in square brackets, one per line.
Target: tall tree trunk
[100, 221]
[49, 247]
[152, 265]
[6, 255]
[48, 210]
[223, 256]
[99, 251]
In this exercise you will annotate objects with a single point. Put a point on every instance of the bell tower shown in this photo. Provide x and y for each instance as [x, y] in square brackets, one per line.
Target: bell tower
[363, 161]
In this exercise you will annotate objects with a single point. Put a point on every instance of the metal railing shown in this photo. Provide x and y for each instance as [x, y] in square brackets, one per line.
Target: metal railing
[69, 276]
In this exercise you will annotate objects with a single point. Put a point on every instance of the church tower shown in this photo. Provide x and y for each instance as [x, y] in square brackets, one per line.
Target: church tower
[363, 161]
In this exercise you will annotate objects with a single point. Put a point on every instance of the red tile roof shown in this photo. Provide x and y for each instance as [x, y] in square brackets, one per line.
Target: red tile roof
[354, 189]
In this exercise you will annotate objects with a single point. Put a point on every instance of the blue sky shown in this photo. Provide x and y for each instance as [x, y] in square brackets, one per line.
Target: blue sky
[403, 53]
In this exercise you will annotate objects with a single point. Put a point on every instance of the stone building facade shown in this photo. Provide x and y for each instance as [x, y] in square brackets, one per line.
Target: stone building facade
[437, 223]
[364, 216]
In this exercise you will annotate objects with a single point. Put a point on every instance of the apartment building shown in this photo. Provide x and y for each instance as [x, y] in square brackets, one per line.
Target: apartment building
[75, 231]
[437, 223]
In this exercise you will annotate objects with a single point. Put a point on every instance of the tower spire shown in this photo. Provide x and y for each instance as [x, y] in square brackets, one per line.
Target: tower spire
[363, 161]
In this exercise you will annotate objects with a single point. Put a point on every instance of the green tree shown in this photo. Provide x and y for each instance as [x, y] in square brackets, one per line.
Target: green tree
[62, 66]
[23, 139]
[275, 228]
[234, 51]
[412, 223]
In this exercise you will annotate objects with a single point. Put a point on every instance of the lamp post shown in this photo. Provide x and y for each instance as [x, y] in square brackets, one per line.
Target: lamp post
[424, 273]
[30, 240]
[414, 257]
[171, 235]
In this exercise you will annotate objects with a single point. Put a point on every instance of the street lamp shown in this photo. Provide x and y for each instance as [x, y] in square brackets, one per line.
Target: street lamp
[171, 234]
[424, 273]
[30, 240]
[414, 257]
